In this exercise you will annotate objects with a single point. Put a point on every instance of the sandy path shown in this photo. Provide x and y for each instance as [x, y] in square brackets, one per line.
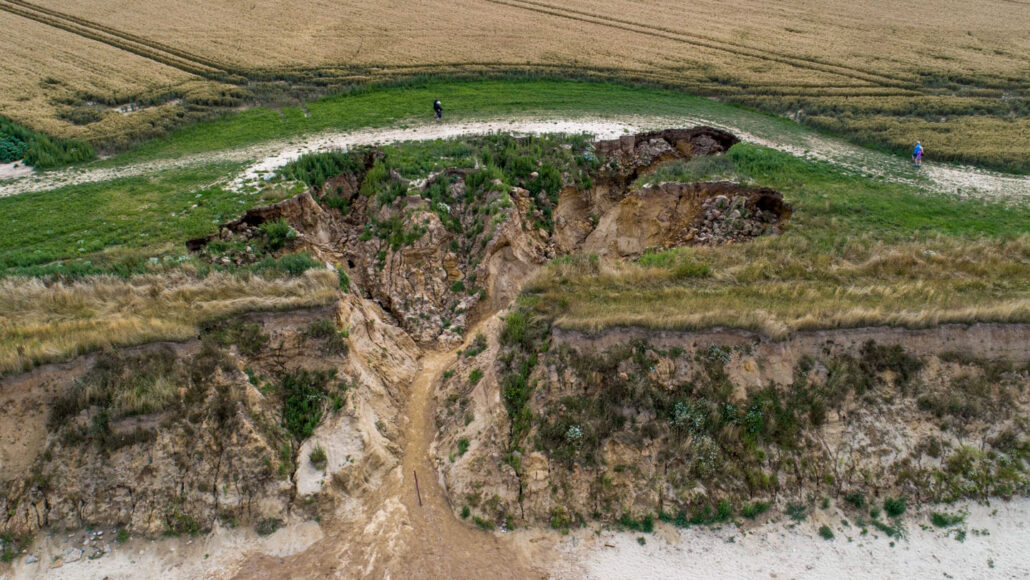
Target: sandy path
[266, 157]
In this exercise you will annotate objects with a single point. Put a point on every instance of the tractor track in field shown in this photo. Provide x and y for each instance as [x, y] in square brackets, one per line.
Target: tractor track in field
[710, 43]
[137, 45]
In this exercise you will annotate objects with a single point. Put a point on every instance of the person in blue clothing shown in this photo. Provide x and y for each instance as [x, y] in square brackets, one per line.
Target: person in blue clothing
[438, 109]
[917, 155]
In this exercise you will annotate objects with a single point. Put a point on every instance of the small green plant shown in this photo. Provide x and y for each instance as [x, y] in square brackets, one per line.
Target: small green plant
[268, 526]
[478, 345]
[855, 498]
[475, 376]
[754, 509]
[483, 524]
[826, 532]
[344, 280]
[318, 457]
[641, 540]
[465, 512]
[277, 234]
[894, 506]
[123, 535]
[796, 511]
[946, 520]
[463, 446]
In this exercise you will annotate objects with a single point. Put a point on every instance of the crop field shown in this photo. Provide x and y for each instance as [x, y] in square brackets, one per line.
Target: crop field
[952, 75]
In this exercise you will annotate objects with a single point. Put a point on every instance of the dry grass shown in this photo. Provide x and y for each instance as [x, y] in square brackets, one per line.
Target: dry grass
[778, 288]
[45, 322]
[792, 56]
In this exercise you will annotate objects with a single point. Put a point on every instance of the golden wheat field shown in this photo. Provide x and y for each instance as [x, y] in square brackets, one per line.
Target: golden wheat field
[848, 66]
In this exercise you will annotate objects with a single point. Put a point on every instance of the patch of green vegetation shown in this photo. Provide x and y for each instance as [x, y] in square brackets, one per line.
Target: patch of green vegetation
[475, 376]
[463, 446]
[318, 457]
[644, 524]
[483, 524]
[124, 226]
[277, 234]
[825, 532]
[894, 507]
[39, 150]
[315, 168]
[12, 545]
[268, 526]
[796, 511]
[946, 520]
[305, 395]
[752, 510]
[478, 345]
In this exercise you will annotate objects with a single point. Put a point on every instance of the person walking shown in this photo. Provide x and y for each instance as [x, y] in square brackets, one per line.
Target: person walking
[917, 155]
[438, 109]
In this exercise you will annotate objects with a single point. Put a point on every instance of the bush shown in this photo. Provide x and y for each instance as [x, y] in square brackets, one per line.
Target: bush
[796, 511]
[277, 233]
[463, 446]
[11, 149]
[315, 168]
[268, 526]
[465, 512]
[855, 498]
[475, 376]
[945, 520]
[292, 265]
[894, 506]
[754, 509]
[344, 280]
[40, 150]
[318, 457]
[304, 396]
[478, 345]
[123, 535]
[826, 532]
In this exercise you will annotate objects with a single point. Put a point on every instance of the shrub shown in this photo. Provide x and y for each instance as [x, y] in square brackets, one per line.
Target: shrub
[463, 446]
[123, 535]
[11, 149]
[796, 511]
[894, 506]
[754, 509]
[344, 280]
[690, 269]
[945, 520]
[277, 233]
[304, 396]
[475, 376]
[483, 524]
[478, 345]
[465, 512]
[292, 265]
[315, 168]
[268, 526]
[855, 498]
[826, 532]
[318, 457]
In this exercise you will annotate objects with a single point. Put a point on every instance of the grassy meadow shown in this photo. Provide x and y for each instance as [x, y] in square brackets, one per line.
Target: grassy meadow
[857, 252]
[950, 74]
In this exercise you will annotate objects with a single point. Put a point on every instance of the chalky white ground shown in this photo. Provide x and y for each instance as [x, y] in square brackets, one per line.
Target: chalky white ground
[778, 550]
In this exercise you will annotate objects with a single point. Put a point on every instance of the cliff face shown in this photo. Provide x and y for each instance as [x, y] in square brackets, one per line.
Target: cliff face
[170, 438]
[632, 423]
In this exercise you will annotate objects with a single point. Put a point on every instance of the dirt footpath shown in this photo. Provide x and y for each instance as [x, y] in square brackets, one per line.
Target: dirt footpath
[957, 180]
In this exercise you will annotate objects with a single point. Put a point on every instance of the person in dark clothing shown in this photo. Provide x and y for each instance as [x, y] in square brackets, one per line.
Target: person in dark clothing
[438, 109]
